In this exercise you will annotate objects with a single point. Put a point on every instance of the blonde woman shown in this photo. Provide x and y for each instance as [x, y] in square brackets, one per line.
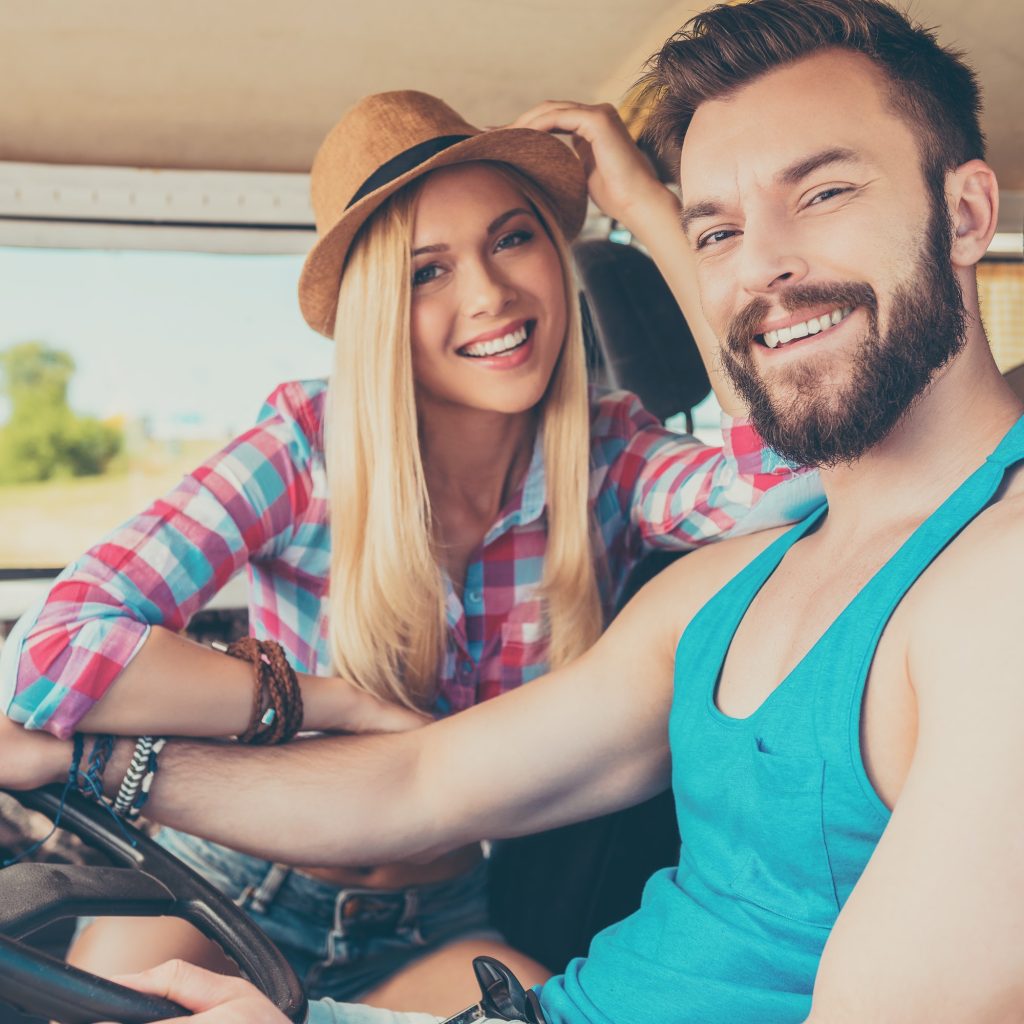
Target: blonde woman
[452, 515]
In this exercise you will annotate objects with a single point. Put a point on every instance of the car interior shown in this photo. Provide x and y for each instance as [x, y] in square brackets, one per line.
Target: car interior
[189, 129]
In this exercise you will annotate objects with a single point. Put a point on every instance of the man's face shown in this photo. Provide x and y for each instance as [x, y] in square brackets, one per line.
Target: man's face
[823, 259]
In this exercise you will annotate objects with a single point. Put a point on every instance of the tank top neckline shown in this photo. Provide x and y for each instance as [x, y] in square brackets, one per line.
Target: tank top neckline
[757, 573]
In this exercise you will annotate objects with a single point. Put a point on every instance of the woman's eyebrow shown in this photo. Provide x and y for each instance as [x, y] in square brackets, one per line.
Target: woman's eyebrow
[441, 247]
[491, 228]
[507, 216]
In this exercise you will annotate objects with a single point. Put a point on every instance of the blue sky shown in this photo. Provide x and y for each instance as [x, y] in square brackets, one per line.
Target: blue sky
[179, 337]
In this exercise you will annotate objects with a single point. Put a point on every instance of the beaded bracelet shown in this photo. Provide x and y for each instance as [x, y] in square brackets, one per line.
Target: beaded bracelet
[138, 779]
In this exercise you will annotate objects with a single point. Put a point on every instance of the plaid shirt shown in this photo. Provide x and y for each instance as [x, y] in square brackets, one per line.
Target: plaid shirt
[261, 505]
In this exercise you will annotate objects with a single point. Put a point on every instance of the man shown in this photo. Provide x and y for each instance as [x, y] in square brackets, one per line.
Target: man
[842, 708]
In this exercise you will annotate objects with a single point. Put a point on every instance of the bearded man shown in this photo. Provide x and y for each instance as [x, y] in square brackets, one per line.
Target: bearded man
[836, 705]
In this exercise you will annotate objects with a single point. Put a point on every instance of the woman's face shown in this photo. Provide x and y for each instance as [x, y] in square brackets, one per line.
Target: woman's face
[488, 298]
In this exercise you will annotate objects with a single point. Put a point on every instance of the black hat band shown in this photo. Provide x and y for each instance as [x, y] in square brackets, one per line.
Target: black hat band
[405, 161]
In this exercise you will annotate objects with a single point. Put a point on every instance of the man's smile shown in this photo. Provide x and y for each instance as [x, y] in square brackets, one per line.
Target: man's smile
[794, 331]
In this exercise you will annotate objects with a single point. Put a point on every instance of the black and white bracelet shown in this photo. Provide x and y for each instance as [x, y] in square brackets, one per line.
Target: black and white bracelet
[138, 779]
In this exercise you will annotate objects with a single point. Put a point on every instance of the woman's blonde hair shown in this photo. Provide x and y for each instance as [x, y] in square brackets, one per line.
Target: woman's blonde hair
[387, 601]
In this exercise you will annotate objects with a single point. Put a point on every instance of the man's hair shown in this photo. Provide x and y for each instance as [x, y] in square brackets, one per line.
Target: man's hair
[728, 46]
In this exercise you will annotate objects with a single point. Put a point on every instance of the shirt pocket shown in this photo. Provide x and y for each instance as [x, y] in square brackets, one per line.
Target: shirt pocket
[524, 652]
[787, 869]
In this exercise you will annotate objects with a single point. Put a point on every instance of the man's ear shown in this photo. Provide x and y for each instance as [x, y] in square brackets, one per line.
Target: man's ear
[973, 196]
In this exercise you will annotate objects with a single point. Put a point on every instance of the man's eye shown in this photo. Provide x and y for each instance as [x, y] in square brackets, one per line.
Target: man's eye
[423, 275]
[828, 193]
[513, 238]
[714, 238]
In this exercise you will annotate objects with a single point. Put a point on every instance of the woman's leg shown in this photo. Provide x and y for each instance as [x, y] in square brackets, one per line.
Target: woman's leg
[123, 945]
[442, 982]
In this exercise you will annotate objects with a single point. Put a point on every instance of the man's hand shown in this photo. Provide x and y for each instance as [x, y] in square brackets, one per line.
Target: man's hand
[213, 998]
[621, 182]
[619, 177]
[30, 757]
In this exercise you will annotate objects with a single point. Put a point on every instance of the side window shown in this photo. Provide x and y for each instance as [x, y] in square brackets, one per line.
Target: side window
[146, 315]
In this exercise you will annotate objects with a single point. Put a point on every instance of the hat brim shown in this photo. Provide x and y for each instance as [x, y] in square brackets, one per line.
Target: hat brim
[546, 160]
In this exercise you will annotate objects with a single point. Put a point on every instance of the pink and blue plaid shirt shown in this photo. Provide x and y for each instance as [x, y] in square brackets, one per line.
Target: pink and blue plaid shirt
[260, 505]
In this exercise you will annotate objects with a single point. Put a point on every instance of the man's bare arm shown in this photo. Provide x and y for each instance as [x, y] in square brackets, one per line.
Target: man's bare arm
[589, 738]
[932, 932]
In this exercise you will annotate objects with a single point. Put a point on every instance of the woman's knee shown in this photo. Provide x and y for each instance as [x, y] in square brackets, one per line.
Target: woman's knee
[442, 982]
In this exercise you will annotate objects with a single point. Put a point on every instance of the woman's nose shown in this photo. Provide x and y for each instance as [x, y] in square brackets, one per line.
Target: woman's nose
[486, 291]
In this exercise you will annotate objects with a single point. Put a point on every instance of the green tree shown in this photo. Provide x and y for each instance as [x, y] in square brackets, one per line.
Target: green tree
[43, 437]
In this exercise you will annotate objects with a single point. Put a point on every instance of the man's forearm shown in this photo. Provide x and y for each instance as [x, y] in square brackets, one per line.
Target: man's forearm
[322, 801]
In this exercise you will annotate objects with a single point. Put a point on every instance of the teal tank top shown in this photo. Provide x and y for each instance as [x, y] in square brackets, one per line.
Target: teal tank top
[776, 812]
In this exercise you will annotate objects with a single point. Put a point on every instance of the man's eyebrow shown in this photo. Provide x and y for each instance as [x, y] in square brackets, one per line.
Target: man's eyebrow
[791, 175]
[796, 172]
[697, 211]
[491, 228]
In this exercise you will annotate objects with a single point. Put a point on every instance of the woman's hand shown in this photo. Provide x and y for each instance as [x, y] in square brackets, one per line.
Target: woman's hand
[619, 177]
[30, 757]
[360, 711]
[213, 998]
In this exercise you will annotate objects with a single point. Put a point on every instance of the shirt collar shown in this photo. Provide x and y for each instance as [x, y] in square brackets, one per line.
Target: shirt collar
[528, 501]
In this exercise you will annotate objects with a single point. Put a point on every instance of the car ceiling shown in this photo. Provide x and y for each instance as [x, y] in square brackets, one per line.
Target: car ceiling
[254, 84]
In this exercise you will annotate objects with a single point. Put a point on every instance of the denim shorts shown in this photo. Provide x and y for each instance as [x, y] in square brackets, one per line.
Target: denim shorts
[341, 942]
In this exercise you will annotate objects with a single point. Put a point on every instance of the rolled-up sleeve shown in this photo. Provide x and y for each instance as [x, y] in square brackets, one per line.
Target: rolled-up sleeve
[158, 568]
[680, 493]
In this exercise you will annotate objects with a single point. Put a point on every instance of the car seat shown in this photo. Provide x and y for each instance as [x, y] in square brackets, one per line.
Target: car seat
[551, 893]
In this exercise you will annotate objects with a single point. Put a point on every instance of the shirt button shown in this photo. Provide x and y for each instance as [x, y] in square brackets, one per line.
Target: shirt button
[465, 666]
[473, 597]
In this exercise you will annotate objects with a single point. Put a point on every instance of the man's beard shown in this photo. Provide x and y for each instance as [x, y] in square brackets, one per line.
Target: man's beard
[823, 425]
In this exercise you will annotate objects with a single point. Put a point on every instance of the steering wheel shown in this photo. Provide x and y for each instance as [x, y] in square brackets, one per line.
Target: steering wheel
[149, 882]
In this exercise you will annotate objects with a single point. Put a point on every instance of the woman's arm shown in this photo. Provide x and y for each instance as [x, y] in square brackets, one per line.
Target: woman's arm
[108, 627]
[622, 184]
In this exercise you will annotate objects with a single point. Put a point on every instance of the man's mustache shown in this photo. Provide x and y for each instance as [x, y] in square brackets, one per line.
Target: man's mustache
[747, 322]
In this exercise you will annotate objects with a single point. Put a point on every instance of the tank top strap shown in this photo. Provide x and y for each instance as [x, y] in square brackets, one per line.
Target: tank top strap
[896, 577]
[711, 630]
[1011, 449]
[840, 662]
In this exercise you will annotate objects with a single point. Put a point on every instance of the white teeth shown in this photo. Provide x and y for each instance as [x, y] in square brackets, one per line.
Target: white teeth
[496, 345]
[813, 326]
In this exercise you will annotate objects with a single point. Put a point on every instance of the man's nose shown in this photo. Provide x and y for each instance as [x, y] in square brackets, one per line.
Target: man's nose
[770, 257]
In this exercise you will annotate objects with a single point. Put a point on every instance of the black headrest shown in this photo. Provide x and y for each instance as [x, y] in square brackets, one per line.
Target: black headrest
[642, 337]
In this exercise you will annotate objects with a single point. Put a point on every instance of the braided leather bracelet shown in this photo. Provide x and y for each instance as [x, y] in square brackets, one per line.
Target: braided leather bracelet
[277, 709]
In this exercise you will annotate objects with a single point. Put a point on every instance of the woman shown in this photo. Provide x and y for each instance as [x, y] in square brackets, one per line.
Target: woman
[471, 511]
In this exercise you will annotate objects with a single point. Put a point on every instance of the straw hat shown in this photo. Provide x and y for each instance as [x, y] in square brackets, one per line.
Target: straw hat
[387, 140]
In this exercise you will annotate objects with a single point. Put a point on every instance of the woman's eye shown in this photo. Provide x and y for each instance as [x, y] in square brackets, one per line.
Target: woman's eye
[513, 238]
[423, 275]
[714, 237]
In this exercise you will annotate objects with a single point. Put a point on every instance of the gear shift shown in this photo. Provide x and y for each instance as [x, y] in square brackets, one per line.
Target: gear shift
[503, 997]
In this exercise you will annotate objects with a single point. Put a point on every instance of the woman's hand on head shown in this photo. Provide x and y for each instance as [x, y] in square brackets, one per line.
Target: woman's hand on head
[619, 177]
[213, 998]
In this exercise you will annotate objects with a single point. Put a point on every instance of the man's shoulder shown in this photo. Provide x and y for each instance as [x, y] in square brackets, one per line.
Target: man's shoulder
[968, 607]
[690, 582]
